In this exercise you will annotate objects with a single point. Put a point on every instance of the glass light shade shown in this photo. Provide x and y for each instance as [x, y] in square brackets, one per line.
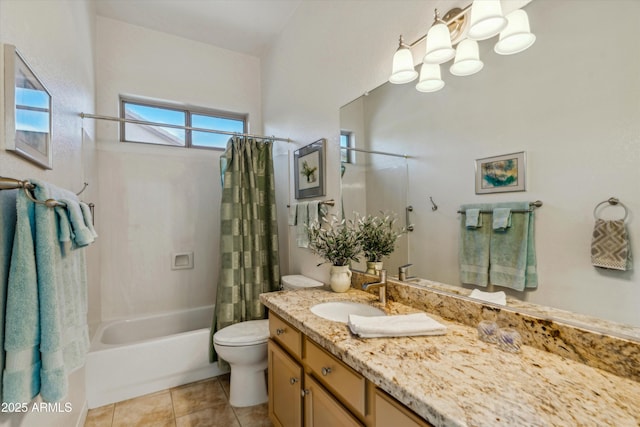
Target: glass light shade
[486, 19]
[403, 69]
[467, 60]
[517, 36]
[439, 48]
[430, 78]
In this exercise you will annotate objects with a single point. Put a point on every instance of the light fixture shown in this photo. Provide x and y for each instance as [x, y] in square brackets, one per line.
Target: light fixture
[467, 60]
[430, 78]
[477, 21]
[403, 70]
[517, 36]
[486, 19]
[439, 48]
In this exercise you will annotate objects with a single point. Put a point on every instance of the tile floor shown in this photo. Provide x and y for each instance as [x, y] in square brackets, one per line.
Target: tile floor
[200, 404]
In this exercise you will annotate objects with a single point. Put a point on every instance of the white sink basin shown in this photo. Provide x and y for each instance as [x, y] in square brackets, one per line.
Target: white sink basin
[339, 311]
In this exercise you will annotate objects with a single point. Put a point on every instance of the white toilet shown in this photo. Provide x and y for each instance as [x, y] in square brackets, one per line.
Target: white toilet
[244, 346]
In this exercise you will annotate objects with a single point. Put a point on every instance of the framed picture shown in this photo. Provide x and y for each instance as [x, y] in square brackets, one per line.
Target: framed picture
[27, 111]
[501, 174]
[308, 166]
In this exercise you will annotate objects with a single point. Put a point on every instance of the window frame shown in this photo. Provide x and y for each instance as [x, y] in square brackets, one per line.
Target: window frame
[349, 155]
[188, 111]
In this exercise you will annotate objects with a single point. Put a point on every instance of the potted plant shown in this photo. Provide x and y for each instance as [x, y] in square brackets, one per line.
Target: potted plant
[378, 237]
[337, 242]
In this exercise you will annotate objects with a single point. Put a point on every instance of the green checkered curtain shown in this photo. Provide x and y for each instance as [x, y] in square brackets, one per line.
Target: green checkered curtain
[248, 233]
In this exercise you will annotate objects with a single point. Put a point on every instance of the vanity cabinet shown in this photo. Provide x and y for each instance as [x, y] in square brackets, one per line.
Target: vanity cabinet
[310, 387]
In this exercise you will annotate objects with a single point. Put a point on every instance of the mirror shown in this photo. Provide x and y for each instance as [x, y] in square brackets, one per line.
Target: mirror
[570, 102]
[372, 183]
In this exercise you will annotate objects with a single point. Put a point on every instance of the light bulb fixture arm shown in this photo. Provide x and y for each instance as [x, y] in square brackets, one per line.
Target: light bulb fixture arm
[452, 16]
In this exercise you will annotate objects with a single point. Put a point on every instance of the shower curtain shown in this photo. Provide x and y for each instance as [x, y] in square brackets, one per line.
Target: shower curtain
[249, 260]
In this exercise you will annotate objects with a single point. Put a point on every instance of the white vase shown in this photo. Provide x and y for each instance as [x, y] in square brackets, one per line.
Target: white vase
[340, 278]
[374, 267]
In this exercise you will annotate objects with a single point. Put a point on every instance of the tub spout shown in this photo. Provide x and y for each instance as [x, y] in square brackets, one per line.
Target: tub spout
[381, 285]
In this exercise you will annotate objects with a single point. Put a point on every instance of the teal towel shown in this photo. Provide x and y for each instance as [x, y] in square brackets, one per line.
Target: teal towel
[474, 249]
[81, 236]
[502, 218]
[473, 219]
[88, 218]
[512, 253]
[46, 321]
[8, 226]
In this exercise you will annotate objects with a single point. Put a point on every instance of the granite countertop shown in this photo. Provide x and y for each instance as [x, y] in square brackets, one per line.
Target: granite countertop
[457, 380]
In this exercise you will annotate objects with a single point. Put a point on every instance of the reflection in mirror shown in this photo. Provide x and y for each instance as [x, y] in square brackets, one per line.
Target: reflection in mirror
[578, 128]
[372, 183]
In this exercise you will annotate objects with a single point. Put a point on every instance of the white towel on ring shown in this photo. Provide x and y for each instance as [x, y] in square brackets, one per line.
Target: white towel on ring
[406, 325]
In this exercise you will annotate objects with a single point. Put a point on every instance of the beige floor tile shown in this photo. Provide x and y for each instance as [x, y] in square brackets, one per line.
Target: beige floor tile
[100, 417]
[197, 396]
[218, 416]
[151, 410]
[254, 416]
[225, 381]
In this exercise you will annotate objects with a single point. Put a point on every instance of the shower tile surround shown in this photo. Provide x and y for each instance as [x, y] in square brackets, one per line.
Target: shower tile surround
[564, 375]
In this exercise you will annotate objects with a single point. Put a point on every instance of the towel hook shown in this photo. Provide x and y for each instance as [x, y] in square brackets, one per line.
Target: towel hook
[613, 201]
[434, 207]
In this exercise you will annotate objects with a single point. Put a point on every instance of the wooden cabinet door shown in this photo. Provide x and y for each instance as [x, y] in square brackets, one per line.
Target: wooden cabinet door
[285, 388]
[391, 413]
[322, 410]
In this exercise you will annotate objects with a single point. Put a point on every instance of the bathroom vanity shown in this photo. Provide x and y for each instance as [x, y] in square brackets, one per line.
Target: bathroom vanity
[320, 374]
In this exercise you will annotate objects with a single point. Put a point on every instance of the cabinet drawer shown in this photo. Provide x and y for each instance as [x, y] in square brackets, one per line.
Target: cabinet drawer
[286, 335]
[390, 412]
[341, 380]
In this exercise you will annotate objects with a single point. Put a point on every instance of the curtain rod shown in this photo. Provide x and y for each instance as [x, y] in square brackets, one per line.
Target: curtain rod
[362, 150]
[167, 125]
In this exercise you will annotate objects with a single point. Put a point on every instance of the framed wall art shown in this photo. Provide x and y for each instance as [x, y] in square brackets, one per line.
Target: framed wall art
[27, 110]
[501, 174]
[308, 167]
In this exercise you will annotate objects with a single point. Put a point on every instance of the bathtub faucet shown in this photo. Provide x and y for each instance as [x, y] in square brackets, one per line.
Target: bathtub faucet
[381, 285]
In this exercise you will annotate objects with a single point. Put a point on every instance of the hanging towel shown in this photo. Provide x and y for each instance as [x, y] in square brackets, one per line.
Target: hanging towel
[82, 236]
[473, 252]
[8, 226]
[88, 219]
[302, 221]
[512, 251]
[406, 325]
[473, 219]
[314, 212]
[502, 218]
[293, 213]
[46, 318]
[494, 297]
[610, 246]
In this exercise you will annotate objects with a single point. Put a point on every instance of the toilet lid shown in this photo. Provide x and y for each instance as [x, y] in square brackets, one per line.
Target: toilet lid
[243, 333]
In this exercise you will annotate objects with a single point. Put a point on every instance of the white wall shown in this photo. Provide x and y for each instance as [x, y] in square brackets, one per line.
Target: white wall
[57, 40]
[157, 200]
[571, 102]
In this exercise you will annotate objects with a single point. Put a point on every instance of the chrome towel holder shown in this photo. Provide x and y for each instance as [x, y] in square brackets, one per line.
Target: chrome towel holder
[613, 201]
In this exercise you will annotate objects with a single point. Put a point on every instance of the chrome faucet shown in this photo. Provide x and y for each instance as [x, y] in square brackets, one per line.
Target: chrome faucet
[381, 285]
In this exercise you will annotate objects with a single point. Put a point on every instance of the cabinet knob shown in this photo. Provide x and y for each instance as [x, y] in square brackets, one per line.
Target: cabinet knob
[293, 380]
[305, 392]
[279, 331]
[325, 371]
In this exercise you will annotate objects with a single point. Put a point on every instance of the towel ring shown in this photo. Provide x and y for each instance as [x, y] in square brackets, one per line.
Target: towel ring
[613, 201]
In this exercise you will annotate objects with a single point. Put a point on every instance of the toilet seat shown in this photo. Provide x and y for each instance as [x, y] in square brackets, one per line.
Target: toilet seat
[243, 334]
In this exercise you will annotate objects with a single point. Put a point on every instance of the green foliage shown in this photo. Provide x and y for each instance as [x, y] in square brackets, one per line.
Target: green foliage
[337, 242]
[378, 236]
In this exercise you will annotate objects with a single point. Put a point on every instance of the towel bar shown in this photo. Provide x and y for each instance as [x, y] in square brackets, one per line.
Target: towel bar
[533, 205]
[329, 202]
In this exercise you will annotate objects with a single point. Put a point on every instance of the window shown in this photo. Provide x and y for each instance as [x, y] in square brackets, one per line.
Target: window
[176, 117]
[345, 141]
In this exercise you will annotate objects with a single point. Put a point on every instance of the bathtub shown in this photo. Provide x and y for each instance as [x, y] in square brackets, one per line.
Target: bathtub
[132, 357]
